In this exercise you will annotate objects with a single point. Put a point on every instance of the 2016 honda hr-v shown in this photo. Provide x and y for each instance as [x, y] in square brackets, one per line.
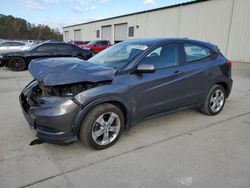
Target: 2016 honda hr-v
[134, 80]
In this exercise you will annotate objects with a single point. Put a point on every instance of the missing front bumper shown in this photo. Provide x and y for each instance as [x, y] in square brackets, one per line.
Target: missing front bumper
[53, 122]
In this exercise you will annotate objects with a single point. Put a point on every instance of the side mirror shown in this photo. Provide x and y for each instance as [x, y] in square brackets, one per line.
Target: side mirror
[145, 68]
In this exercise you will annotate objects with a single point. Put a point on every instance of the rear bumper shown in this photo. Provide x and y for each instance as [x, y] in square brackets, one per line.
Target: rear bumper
[53, 122]
[230, 85]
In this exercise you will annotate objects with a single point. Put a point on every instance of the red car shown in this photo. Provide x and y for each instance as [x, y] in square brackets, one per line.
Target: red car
[98, 45]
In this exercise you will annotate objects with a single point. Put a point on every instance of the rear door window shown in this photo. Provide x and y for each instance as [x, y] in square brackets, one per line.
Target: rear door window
[195, 52]
[65, 48]
[47, 48]
[17, 44]
[68, 50]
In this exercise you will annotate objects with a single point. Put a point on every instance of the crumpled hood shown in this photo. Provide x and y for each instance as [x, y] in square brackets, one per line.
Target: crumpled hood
[61, 71]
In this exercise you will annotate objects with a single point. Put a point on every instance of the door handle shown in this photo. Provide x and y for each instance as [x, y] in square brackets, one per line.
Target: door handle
[177, 73]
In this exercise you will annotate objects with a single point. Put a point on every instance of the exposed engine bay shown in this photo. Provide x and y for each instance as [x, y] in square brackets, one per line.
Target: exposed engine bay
[65, 90]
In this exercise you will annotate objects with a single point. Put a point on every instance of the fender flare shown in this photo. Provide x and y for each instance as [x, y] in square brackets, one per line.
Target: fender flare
[86, 108]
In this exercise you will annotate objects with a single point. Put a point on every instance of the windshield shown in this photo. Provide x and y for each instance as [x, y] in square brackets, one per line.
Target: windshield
[119, 55]
[34, 46]
[91, 43]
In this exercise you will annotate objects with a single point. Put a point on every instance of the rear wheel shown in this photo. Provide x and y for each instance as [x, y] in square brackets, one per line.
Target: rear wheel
[17, 64]
[102, 126]
[215, 100]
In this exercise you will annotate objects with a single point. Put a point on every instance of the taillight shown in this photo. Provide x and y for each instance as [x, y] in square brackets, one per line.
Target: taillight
[229, 63]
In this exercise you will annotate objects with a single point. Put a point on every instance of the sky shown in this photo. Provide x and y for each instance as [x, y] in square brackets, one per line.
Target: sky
[59, 13]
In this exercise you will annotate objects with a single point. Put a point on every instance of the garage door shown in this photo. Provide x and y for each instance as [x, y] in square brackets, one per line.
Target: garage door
[66, 36]
[121, 32]
[77, 34]
[106, 32]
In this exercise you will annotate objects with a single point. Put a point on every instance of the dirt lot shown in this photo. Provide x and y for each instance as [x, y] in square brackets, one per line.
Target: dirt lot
[184, 149]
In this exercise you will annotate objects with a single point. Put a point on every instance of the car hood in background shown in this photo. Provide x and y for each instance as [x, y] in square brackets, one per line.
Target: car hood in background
[61, 71]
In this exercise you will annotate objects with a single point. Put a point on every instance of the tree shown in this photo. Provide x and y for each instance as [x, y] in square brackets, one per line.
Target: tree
[18, 28]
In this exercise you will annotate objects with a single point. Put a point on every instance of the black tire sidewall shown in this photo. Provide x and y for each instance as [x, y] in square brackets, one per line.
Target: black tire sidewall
[88, 123]
[17, 58]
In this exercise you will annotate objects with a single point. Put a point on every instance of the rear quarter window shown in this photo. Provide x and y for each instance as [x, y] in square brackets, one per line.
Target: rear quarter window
[195, 52]
[5, 44]
[17, 44]
[46, 48]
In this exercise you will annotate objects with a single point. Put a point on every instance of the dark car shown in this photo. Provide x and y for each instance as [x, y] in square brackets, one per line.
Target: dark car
[18, 61]
[79, 43]
[97, 46]
[121, 86]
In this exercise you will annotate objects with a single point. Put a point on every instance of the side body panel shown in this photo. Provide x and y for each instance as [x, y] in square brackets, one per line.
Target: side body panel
[156, 92]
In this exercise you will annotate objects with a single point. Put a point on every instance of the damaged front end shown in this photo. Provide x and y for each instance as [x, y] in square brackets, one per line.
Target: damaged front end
[49, 103]
[51, 110]
[68, 90]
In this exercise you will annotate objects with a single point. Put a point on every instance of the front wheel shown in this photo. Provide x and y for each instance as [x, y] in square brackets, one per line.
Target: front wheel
[17, 64]
[215, 100]
[102, 126]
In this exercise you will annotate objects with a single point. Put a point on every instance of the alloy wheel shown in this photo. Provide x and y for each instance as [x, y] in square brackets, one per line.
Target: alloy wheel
[106, 128]
[217, 100]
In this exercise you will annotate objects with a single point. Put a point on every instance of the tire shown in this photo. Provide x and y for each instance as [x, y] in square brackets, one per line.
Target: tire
[17, 64]
[102, 126]
[215, 100]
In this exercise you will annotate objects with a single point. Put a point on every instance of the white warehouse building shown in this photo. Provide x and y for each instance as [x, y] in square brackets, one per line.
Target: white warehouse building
[225, 23]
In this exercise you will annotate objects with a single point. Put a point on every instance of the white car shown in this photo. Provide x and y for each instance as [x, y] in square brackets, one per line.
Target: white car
[12, 46]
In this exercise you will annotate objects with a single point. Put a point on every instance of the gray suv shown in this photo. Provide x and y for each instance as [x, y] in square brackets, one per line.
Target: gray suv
[129, 82]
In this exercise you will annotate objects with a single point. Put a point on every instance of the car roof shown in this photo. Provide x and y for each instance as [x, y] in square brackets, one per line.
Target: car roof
[56, 43]
[12, 41]
[99, 40]
[155, 41]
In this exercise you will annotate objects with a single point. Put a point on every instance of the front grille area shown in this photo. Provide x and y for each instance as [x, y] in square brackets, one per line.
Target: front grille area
[46, 129]
[25, 104]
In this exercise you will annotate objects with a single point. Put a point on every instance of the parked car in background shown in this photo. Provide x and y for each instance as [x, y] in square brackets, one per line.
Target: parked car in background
[51, 40]
[79, 43]
[121, 86]
[18, 61]
[13, 46]
[87, 41]
[97, 46]
[33, 42]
